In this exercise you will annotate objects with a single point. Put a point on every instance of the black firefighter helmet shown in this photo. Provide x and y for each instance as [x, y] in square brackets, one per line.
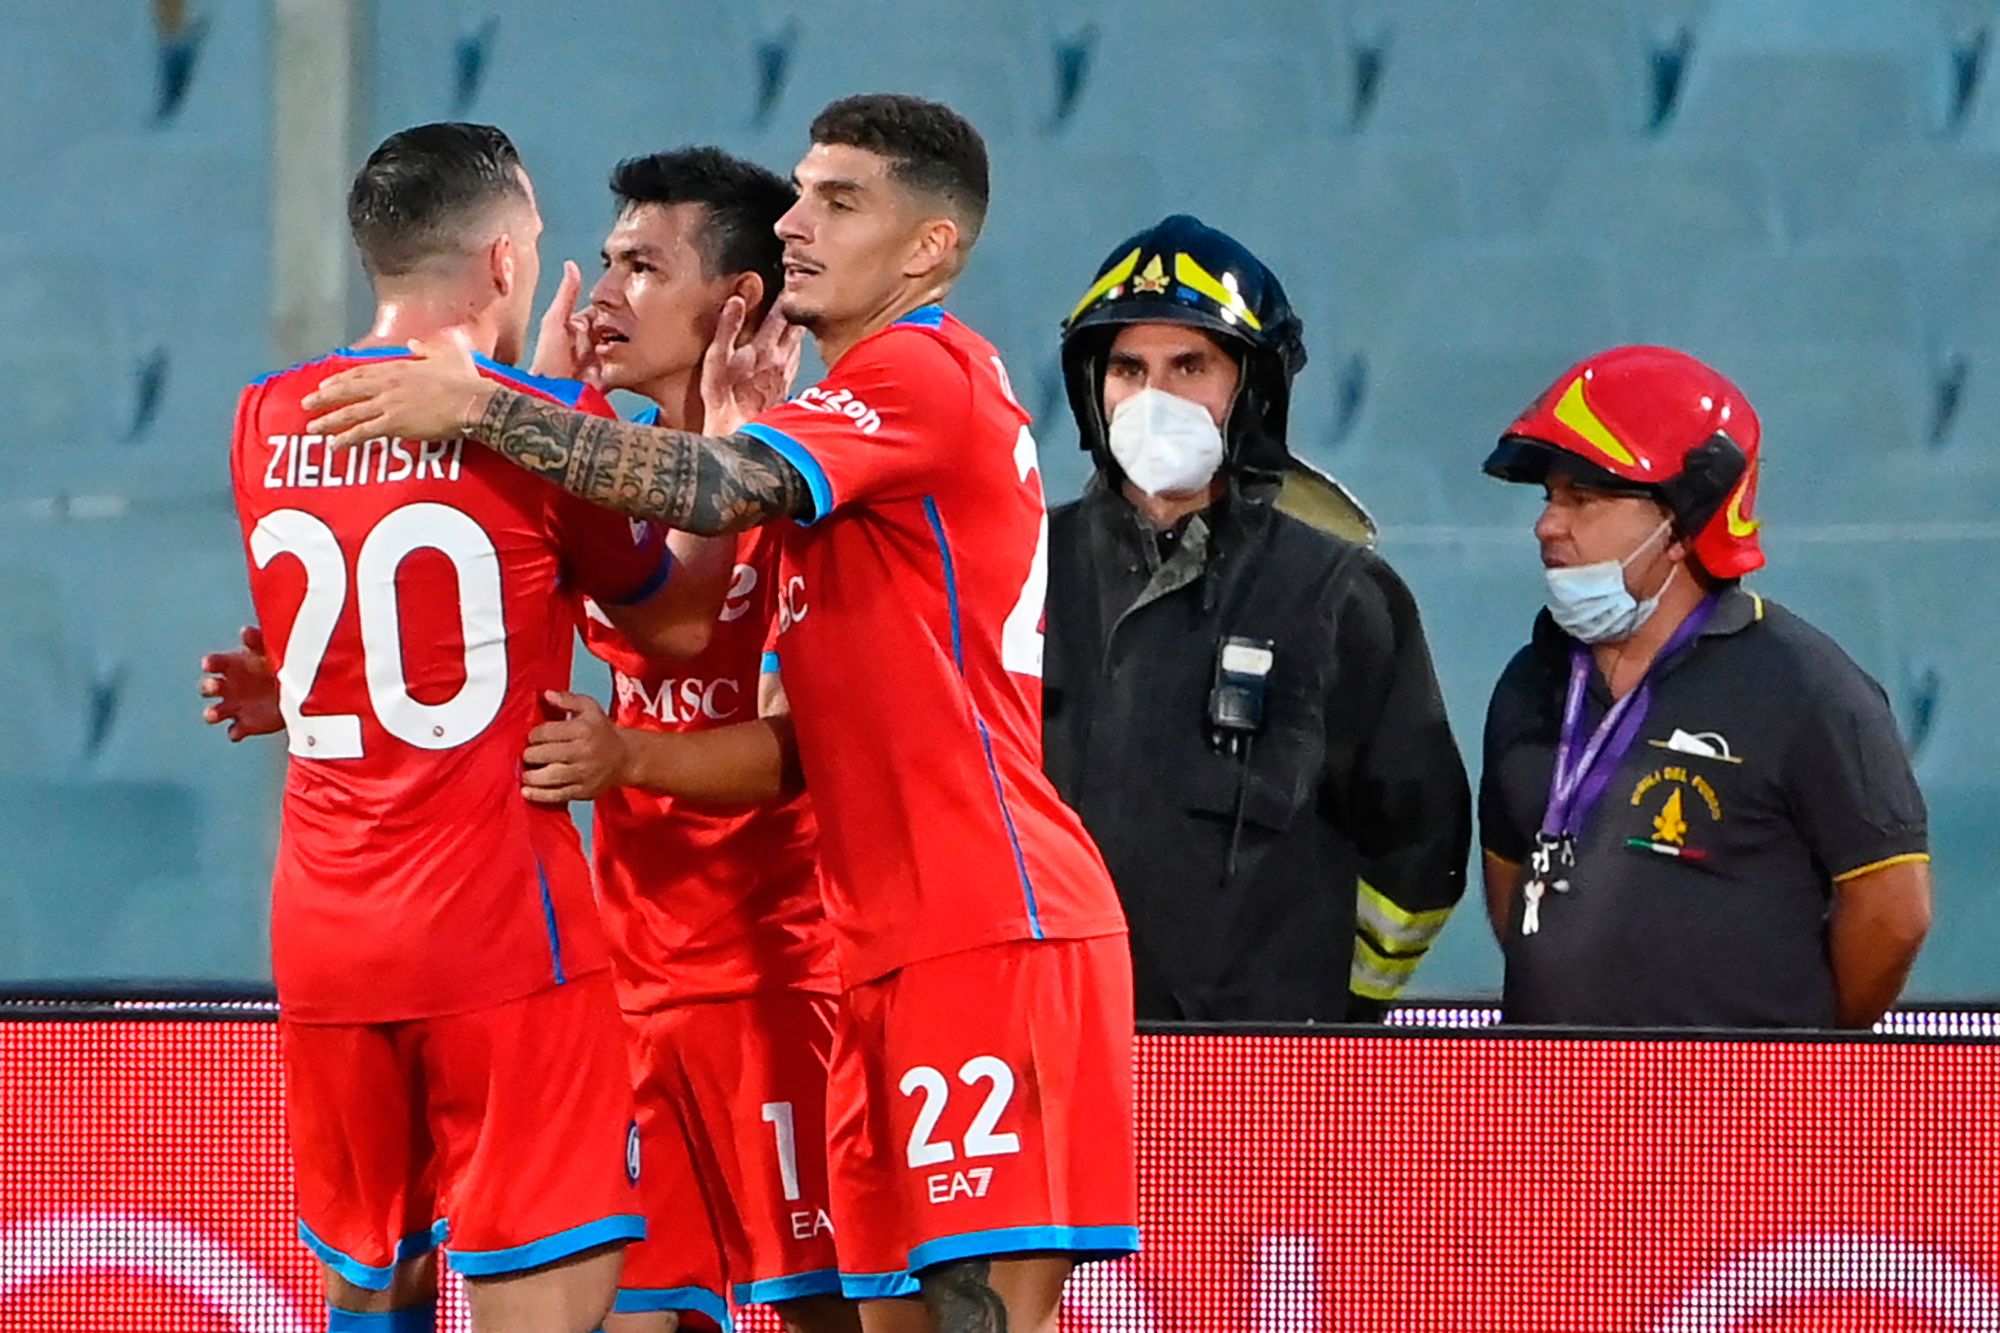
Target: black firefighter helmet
[1181, 271]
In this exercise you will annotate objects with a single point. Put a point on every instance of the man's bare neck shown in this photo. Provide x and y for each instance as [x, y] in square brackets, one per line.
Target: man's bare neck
[1625, 663]
[678, 396]
[1162, 512]
[399, 321]
[836, 342]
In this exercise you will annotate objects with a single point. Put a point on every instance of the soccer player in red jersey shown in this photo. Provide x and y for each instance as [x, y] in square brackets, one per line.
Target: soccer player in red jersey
[981, 1101]
[719, 942]
[455, 1064]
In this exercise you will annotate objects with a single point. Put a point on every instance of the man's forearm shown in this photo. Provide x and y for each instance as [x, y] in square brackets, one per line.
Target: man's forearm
[749, 762]
[698, 483]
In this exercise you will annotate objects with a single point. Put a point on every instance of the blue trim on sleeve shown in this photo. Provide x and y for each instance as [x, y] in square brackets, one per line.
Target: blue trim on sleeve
[1085, 1244]
[617, 1228]
[768, 665]
[950, 579]
[798, 1286]
[680, 1300]
[649, 415]
[409, 1319]
[566, 392]
[801, 458]
[925, 316]
[985, 736]
[876, 1286]
[549, 922]
[653, 584]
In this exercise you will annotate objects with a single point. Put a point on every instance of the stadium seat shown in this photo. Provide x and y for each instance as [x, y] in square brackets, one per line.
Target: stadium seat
[1505, 294]
[91, 855]
[1342, 225]
[1666, 215]
[1808, 299]
[993, 64]
[1814, 86]
[576, 96]
[1942, 689]
[1921, 199]
[1428, 416]
[1511, 94]
[73, 72]
[1166, 80]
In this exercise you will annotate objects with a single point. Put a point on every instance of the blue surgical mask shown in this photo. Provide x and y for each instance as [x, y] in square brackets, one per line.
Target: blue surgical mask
[1591, 602]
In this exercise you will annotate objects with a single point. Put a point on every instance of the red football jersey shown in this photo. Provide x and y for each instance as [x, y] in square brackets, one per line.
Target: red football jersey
[913, 655]
[705, 901]
[418, 597]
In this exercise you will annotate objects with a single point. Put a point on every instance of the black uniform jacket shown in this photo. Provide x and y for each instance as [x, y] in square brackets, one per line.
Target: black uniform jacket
[1352, 788]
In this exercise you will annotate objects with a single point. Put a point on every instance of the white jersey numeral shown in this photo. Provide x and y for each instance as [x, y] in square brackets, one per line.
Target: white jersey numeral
[1021, 635]
[401, 533]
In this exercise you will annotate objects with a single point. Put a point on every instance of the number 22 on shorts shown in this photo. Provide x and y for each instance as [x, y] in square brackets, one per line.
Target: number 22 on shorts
[982, 1138]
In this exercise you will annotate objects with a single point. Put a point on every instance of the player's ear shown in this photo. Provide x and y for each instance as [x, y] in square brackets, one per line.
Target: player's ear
[936, 249]
[500, 260]
[749, 286]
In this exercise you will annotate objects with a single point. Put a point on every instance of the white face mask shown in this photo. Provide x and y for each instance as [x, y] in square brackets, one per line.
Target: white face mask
[1591, 602]
[1167, 445]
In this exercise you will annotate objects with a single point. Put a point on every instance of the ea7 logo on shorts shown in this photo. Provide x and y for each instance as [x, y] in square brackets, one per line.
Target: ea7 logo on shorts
[971, 1183]
[632, 1152]
[843, 403]
[983, 1137]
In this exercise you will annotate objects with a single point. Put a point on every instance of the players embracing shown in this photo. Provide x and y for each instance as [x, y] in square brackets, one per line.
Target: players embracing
[980, 1135]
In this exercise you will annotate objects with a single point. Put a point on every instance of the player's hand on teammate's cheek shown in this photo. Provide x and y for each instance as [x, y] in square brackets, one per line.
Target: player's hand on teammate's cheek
[244, 686]
[437, 393]
[575, 757]
[562, 346]
[740, 383]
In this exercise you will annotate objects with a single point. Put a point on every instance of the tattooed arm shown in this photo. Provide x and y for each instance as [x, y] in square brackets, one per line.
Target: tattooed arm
[705, 484]
[698, 483]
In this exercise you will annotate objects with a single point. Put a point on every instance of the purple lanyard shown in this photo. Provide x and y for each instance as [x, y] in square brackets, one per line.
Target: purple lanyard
[1579, 780]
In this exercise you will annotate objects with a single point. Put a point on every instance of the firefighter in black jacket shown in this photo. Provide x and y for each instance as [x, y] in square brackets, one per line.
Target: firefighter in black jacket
[1240, 705]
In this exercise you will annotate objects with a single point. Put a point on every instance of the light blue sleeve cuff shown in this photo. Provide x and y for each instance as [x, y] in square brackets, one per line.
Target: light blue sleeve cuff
[801, 458]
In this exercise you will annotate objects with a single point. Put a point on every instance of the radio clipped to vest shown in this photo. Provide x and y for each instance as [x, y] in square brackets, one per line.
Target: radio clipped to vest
[1236, 699]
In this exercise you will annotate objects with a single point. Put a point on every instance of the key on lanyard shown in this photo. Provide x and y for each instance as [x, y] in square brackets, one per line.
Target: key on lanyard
[1550, 855]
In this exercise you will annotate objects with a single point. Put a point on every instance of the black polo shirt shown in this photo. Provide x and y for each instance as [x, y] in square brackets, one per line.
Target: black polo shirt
[1769, 768]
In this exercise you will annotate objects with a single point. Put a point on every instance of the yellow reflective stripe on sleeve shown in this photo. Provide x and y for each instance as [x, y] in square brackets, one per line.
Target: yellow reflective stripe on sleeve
[1376, 977]
[1394, 927]
[1906, 859]
[1116, 274]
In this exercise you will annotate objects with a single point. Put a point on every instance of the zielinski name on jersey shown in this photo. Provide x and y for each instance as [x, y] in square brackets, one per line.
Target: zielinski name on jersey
[312, 461]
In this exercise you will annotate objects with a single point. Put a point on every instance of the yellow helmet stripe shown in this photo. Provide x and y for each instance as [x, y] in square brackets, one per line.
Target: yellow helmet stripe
[1114, 275]
[1194, 275]
[1575, 413]
[1740, 526]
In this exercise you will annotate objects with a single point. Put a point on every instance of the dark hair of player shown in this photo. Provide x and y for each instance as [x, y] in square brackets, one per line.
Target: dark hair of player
[931, 148]
[422, 188]
[743, 200]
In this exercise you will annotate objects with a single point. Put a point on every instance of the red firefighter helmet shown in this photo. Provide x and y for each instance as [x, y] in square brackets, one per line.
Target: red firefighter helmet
[1655, 422]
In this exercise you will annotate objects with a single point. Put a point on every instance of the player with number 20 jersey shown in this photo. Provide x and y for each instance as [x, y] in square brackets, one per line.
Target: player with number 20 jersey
[454, 1059]
[981, 1085]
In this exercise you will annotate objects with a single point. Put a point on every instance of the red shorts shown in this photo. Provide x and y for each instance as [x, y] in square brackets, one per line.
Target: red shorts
[732, 1110]
[505, 1135]
[981, 1105]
